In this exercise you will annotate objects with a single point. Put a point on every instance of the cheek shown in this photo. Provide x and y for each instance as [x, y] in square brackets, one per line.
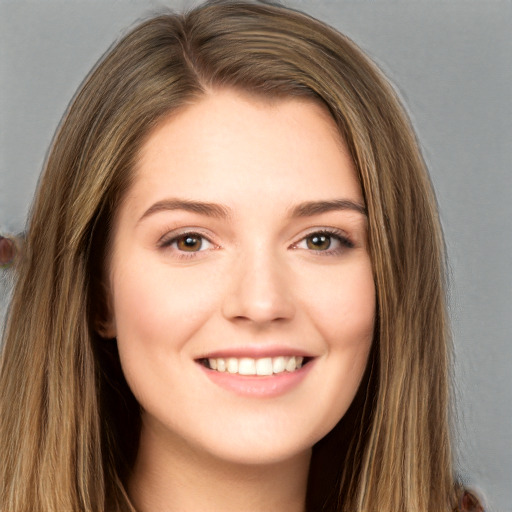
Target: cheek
[157, 311]
[345, 316]
[344, 308]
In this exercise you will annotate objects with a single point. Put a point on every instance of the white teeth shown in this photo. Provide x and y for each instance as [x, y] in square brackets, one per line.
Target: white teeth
[264, 366]
[232, 365]
[278, 364]
[246, 366]
[250, 366]
[290, 365]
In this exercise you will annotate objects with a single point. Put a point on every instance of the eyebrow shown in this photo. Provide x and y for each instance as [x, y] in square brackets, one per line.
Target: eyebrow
[207, 209]
[312, 208]
[306, 209]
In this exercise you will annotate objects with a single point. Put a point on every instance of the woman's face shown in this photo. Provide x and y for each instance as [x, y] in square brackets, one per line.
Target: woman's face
[242, 294]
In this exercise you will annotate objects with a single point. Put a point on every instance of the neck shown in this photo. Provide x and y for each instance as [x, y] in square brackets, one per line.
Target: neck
[187, 479]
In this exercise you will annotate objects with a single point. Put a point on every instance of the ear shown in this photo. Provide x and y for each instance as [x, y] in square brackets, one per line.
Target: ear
[104, 318]
[106, 328]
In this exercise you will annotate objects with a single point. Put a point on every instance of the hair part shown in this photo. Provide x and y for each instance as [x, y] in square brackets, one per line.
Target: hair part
[66, 446]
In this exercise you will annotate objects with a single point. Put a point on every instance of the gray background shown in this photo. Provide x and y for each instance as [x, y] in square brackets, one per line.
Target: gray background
[452, 64]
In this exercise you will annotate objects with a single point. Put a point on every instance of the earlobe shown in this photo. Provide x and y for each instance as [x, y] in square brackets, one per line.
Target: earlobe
[106, 328]
[104, 318]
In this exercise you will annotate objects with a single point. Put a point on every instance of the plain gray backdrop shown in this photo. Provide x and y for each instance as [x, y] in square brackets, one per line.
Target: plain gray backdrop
[451, 62]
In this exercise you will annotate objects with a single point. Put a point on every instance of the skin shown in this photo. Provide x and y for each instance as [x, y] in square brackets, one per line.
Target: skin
[255, 278]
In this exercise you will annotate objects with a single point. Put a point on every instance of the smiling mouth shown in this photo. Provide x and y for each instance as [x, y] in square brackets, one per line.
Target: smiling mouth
[264, 366]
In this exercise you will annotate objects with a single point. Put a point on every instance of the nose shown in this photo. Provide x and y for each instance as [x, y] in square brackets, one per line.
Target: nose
[260, 292]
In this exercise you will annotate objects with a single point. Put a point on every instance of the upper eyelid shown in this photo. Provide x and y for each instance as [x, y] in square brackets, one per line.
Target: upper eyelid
[173, 234]
[169, 240]
[334, 232]
[345, 242]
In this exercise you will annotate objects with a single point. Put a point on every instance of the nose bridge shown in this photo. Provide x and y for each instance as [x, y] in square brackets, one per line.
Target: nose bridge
[259, 289]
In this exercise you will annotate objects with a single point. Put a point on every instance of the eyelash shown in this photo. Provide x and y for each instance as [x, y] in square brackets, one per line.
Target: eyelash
[167, 242]
[333, 234]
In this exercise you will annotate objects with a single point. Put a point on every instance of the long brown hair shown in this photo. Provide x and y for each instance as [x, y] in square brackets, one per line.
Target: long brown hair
[64, 404]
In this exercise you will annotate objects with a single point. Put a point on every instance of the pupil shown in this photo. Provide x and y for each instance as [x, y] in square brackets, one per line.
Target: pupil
[319, 242]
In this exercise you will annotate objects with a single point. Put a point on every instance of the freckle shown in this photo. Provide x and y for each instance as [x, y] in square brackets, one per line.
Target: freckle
[7, 251]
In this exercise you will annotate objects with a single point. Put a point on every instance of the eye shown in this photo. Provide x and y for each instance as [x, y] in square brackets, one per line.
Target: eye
[319, 241]
[187, 242]
[325, 241]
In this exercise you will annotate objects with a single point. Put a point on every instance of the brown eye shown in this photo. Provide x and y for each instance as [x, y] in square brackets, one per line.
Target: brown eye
[318, 242]
[325, 242]
[189, 243]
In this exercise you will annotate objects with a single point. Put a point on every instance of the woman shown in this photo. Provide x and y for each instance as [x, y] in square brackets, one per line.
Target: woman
[160, 354]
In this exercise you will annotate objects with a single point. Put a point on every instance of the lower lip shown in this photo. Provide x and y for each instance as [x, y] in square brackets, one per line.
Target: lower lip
[259, 387]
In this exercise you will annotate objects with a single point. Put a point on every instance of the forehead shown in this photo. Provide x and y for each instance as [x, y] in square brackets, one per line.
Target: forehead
[228, 143]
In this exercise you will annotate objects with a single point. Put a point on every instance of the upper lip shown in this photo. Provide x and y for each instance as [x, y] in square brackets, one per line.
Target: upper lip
[256, 352]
